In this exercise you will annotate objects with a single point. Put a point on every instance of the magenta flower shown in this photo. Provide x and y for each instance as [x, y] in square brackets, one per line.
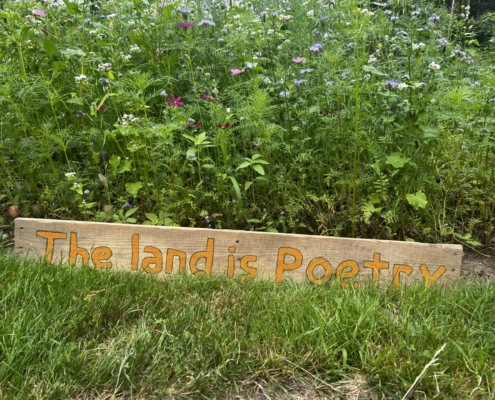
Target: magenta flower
[174, 102]
[237, 71]
[298, 60]
[39, 13]
[197, 125]
[185, 25]
[102, 107]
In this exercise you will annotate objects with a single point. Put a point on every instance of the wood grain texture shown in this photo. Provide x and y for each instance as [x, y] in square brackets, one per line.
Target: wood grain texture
[274, 256]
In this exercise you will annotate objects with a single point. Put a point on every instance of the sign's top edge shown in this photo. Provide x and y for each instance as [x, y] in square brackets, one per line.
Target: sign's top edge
[18, 221]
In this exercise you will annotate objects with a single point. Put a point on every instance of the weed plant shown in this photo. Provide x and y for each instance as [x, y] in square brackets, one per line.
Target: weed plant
[78, 332]
[340, 118]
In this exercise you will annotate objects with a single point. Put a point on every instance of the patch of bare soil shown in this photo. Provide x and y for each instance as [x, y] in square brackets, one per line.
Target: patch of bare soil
[478, 264]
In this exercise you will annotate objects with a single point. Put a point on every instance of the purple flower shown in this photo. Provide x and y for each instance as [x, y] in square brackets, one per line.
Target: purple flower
[127, 205]
[442, 42]
[238, 71]
[185, 12]
[191, 154]
[317, 48]
[305, 70]
[175, 102]
[298, 60]
[185, 25]
[299, 82]
[345, 75]
[39, 13]
[391, 84]
[434, 18]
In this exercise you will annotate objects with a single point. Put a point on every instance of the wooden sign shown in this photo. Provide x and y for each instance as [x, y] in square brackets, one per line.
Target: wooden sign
[274, 256]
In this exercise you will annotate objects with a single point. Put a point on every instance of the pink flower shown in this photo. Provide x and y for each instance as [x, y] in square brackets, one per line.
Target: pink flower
[224, 126]
[39, 13]
[205, 96]
[174, 102]
[197, 125]
[237, 71]
[185, 24]
[298, 60]
[102, 107]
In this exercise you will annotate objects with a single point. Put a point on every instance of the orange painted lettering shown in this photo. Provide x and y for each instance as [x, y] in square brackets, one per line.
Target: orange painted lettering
[341, 275]
[311, 268]
[171, 253]
[100, 256]
[207, 255]
[231, 262]
[135, 252]
[75, 251]
[50, 242]
[251, 271]
[431, 279]
[157, 260]
[283, 266]
[398, 269]
[376, 265]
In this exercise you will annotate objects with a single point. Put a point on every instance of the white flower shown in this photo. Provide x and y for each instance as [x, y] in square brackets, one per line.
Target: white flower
[310, 13]
[367, 12]
[419, 85]
[105, 67]
[433, 65]
[134, 49]
[418, 46]
[70, 174]
[80, 78]
[228, 110]
[125, 57]
[402, 86]
[284, 93]
[372, 59]
[267, 81]
[270, 31]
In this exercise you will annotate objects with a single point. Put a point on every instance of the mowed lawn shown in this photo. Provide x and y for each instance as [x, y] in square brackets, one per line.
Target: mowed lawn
[72, 332]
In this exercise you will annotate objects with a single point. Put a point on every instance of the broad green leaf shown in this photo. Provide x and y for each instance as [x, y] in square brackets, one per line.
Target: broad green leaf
[430, 132]
[417, 200]
[254, 221]
[247, 185]
[376, 168]
[396, 160]
[260, 162]
[151, 216]
[133, 187]
[130, 212]
[49, 47]
[126, 167]
[244, 165]
[68, 53]
[110, 75]
[373, 70]
[237, 189]
[259, 169]
[114, 161]
[58, 65]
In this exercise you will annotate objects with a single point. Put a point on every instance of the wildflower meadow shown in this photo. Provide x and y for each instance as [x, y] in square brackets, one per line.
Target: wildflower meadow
[344, 118]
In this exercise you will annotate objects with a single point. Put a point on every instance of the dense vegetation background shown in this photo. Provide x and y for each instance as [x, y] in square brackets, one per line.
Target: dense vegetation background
[352, 118]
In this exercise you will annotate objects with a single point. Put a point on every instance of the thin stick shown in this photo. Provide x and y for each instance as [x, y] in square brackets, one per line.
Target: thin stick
[432, 362]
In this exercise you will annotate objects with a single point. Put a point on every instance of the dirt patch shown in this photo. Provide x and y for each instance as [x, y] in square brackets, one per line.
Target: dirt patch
[478, 264]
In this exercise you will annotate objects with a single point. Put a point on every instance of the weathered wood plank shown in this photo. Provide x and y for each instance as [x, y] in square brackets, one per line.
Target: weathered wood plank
[274, 256]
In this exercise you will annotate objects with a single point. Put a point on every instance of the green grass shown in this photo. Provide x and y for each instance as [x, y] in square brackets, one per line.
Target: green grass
[78, 332]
